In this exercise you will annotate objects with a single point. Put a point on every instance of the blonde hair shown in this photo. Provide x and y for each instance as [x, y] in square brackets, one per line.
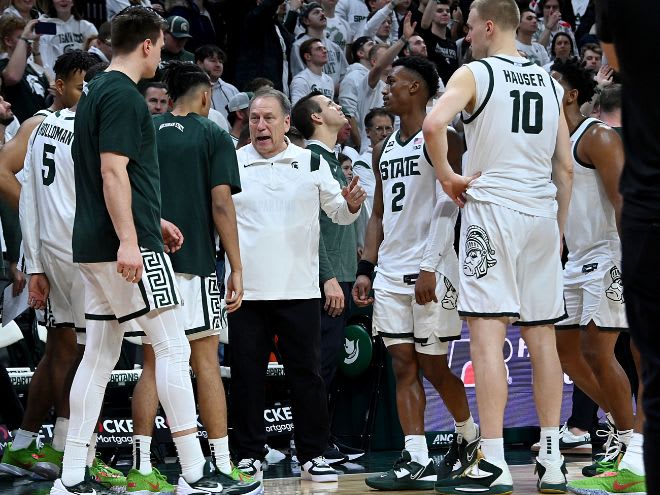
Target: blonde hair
[504, 13]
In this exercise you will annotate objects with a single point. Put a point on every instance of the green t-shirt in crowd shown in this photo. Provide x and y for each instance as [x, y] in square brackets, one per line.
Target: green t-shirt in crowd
[182, 56]
[112, 117]
[195, 156]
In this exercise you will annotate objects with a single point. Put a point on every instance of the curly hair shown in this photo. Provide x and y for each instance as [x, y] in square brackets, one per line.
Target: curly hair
[423, 68]
[181, 77]
[576, 77]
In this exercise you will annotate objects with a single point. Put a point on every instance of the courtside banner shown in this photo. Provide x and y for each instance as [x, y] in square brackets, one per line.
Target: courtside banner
[520, 410]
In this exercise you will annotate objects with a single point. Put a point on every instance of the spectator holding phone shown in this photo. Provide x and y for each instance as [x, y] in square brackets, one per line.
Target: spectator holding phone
[23, 82]
[62, 30]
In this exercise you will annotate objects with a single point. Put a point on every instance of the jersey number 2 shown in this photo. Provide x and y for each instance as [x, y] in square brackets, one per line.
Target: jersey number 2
[48, 172]
[528, 98]
[398, 188]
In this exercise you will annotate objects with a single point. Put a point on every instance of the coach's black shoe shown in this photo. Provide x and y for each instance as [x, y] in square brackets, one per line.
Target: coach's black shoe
[350, 452]
[332, 456]
[86, 487]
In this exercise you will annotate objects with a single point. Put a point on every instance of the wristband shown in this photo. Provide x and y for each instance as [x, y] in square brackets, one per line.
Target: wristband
[365, 267]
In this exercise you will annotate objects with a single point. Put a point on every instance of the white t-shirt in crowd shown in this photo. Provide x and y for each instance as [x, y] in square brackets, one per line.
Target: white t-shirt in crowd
[306, 81]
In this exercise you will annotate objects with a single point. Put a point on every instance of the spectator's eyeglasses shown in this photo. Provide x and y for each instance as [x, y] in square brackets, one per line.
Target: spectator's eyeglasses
[381, 128]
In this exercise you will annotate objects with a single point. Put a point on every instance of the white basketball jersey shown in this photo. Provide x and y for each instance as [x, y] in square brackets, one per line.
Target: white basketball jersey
[591, 234]
[49, 155]
[511, 134]
[410, 193]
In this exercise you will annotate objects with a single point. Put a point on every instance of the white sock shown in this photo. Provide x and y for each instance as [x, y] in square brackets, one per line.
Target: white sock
[59, 433]
[549, 443]
[493, 449]
[142, 454]
[91, 451]
[467, 429]
[633, 459]
[191, 457]
[73, 465]
[625, 436]
[220, 453]
[416, 446]
[23, 439]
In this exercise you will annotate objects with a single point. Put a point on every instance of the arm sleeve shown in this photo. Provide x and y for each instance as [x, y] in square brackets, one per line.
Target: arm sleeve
[325, 268]
[224, 164]
[298, 89]
[28, 213]
[441, 232]
[372, 25]
[332, 202]
[348, 96]
[118, 132]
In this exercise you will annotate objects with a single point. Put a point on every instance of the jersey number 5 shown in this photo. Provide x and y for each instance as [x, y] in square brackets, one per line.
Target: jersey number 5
[48, 170]
[528, 98]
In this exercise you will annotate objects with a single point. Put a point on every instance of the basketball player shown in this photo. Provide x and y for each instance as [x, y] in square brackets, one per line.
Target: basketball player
[210, 176]
[117, 238]
[519, 176]
[52, 196]
[411, 236]
[592, 278]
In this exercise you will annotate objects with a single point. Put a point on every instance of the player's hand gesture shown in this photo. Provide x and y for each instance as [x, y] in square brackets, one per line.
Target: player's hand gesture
[172, 236]
[354, 195]
[38, 290]
[129, 262]
[425, 288]
[455, 186]
[361, 290]
[334, 298]
[234, 297]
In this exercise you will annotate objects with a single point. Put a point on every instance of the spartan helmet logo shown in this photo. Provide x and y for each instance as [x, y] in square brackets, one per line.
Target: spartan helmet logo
[451, 296]
[615, 291]
[478, 252]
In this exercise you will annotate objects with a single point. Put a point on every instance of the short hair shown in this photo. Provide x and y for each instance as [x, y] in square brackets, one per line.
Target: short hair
[576, 77]
[594, 47]
[357, 45]
[8, 25]
[306, 47]
[71, 62]
[206, 51]
[281, 98]
[554, 42]
[152, 84]
[376, 47]
[377, 112]
[610, 98]
[105, 31]
[183, 77]
[133, 25]
[258, 83]
[301, 113]
[94, 70]
[423, 68]
[504, 13]
[342, 158]
[295, 136]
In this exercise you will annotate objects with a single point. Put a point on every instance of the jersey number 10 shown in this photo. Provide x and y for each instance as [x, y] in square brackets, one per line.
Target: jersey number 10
[528, 98]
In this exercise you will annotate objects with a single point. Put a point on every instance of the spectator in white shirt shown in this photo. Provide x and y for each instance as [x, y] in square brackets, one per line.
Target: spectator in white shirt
[212, 59]
[526, 30]
[113, 7]
[315, 55]
[315, 22]
[71, 32]
[338, 29]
